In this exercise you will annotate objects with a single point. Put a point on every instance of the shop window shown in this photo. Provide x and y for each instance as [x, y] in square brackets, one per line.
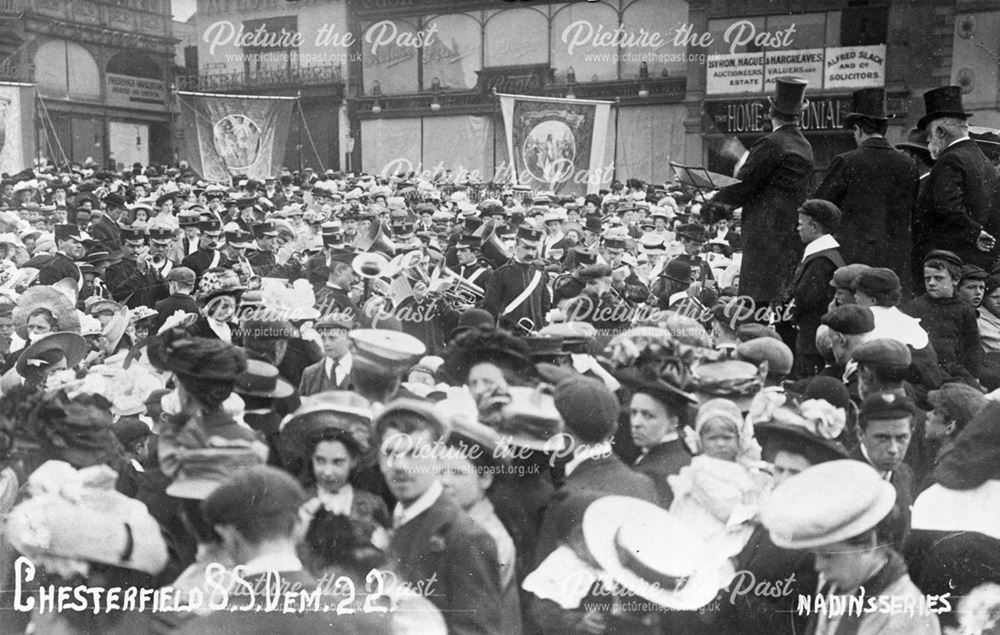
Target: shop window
[575, 42]
[454, 53]
[259, 60]
[389, 56]
[66, 69]
[516, 37]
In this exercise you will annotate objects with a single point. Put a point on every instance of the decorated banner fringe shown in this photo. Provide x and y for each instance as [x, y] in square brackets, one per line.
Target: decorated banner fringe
[555, 144]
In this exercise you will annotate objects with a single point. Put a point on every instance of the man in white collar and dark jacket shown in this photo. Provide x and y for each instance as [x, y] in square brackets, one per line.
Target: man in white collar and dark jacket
[436, 547]
[811, 292]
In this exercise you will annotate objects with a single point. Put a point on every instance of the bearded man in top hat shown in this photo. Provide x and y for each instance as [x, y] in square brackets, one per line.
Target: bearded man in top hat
[518, 291]
[959, 207]
[773, 183]
[875, 188]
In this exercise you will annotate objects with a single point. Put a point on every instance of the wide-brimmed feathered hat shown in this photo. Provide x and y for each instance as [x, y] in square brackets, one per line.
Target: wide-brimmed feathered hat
[199, 357]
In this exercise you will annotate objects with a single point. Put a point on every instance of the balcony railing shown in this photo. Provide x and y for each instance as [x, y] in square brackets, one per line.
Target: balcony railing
[283, 78]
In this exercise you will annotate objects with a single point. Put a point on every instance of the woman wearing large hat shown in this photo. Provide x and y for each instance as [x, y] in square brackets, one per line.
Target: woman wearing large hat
[219, 292]
[205, 371]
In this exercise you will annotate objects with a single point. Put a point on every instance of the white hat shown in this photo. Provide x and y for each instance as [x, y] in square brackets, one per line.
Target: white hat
[826, 504]
[650, 552]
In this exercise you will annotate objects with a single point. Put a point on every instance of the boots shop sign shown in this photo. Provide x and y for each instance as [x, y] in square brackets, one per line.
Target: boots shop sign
[749, 116]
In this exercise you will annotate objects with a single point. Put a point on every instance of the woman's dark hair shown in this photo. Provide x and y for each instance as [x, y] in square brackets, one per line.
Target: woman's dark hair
[47, 315]
[91, 618]
[210, 393]
[202, 530]
[334, 540]
[314, 438]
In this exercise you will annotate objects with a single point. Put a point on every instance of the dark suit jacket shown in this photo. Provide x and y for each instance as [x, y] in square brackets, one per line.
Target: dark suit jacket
[173, 303]
[314, 380]
[773, 184]
[902, 480]
[59, 267]
[660, 462]
[106, 231]
[960, 198]
[603, 476]
[812, 293]
[875, 187]
[444, 548]
[201, 261]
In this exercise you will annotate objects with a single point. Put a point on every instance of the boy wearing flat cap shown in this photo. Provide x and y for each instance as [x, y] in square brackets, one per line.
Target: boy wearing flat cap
[811, 292]
[951, 324]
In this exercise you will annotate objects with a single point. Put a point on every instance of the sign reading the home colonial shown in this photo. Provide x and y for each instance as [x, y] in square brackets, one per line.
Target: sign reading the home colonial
[832, 68]
[233, 134]
[17, 120]
[555, 144]
[749, 116]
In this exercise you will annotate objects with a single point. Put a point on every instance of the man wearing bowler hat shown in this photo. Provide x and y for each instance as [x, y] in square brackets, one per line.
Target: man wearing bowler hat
[959, 207]
[518, 292]
[773, 183]
[875, 187]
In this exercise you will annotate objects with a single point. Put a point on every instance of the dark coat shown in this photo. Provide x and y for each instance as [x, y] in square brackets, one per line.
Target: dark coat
[478, 273]
[902, 480]
[660, 462]
[602, 476]
[106, 231]
[59, 267]
[315, 379]
[875, 187]
[173, 303]
[812, 294]
[953, 328]
[204, 259]
[772, 185]
[331, 300]
[506, 284]
[445, 546]
[130, 284]
[961, 198]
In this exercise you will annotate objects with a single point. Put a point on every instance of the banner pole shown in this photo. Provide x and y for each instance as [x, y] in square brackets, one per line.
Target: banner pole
[173, 126]
[298, 130]
[496, 122]
[614, 160]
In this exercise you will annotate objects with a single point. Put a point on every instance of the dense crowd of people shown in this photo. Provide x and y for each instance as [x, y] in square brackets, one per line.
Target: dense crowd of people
[389, 404]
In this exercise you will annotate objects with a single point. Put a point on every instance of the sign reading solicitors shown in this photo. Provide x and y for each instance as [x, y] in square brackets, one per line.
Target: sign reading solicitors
[832, 68]
[749, 116]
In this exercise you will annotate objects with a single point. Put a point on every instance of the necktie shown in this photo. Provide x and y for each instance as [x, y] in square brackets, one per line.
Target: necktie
[333, 373]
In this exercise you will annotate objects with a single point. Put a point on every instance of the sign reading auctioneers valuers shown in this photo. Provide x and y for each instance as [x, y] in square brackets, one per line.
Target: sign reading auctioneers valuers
[833, 68]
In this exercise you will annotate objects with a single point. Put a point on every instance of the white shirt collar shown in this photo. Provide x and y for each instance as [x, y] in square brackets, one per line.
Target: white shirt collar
[826, 241]
[343, 367]
[337, 503]
[886, 476]
[959, 140]
[585, 452]
[402, 515]
[677, 297]
[222, 330]
[279, 562]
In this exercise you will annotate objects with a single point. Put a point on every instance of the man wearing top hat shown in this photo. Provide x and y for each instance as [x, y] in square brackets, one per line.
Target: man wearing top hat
[61, 265]
[875, 187]
[773, 183]
[518, 292]
[959, 207]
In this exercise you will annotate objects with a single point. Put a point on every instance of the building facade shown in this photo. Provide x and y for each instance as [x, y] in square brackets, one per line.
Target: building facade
[424, 73]
[906, 46]
[101, 72]
[276, 47]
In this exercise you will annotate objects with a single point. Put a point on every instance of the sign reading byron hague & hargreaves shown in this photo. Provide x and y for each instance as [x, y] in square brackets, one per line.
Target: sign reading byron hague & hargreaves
[833, 68]
[749, 116]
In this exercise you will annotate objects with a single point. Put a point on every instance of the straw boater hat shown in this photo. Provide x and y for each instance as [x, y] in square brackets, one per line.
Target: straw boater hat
[826, 504]
[73, 346]
[94, 524]
[43, 297]
[341, 409]
[651, 553]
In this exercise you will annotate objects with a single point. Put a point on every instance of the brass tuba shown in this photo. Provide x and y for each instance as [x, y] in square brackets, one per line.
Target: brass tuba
[376, 240]
[493, 249]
